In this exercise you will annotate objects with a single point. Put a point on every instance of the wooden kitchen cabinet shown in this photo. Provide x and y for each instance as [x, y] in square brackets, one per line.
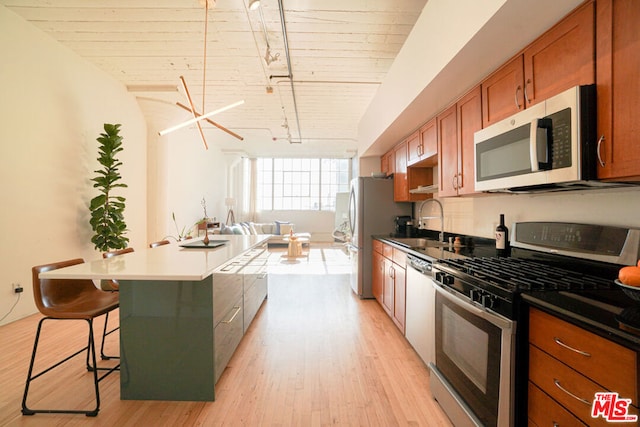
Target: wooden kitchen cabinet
[456, 127]
[378, 273]
[400, 180]
[570, 364]
[502, 93]
[561, 58]
[388, 163]
[618, 85]
[389, 280]
[422, 146]
[399, 259]
[388, 287]
[447, 152]
[405, 178]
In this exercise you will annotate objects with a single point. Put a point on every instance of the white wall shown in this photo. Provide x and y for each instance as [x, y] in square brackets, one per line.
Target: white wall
[53, 107]
[453, 45]
[479, 215]
[181, 172]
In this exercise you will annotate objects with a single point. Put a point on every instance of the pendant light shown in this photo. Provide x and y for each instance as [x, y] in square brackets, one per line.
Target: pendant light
[197, 117]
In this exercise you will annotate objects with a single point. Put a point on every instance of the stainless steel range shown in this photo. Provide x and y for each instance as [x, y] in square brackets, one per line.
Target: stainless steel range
[474, 377]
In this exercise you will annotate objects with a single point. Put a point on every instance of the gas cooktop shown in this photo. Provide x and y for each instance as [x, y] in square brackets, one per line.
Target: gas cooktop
[545, 257]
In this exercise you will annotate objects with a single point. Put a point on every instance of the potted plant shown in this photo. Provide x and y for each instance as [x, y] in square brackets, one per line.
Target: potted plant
[107, 209]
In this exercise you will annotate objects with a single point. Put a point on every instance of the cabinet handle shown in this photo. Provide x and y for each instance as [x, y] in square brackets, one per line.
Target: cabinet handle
[526, 96]
[516, 97]
[557, 383]
[561, 344]
[598, 151]
[459, 181]
[392, 272]
[454, 182]
[234, 315]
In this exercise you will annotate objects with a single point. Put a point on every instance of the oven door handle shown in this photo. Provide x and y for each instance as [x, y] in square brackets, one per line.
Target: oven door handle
[495, 319]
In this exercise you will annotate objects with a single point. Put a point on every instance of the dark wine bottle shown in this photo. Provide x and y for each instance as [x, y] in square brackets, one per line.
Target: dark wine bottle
[502, 238]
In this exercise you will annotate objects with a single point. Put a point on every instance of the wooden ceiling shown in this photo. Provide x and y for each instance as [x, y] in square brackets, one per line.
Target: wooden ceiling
[339, 53]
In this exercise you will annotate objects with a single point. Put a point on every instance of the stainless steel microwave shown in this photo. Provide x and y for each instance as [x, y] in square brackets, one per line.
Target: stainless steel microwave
[551, 145]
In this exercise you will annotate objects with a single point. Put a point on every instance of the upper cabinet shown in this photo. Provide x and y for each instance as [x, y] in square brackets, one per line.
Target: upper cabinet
[561, 58]
[422, 146]
[456, 126]
[406, 178]
[502, 93]
[469, 117]
[597, 42]
[388, 163]
[618, 62]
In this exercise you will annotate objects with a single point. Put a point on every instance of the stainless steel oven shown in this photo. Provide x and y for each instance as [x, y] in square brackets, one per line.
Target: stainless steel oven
[479, 376]
[472, 377]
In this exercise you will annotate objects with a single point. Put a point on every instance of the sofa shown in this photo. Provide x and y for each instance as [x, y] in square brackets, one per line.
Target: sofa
[279, 230]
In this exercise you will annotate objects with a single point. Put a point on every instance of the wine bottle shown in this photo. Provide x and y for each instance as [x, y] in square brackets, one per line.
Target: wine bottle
[502, 238]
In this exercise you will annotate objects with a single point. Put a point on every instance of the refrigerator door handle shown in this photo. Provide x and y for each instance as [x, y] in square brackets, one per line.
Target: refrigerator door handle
[352, 212]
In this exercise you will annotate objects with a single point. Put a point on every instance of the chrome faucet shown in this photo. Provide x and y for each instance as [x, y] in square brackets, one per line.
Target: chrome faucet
[420, 217]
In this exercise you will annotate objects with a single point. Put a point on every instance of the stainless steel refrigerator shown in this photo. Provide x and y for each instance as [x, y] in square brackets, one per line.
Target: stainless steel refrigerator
[372, 211]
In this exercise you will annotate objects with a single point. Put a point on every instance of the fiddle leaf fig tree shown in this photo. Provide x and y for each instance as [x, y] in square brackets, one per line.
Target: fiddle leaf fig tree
[107, 209]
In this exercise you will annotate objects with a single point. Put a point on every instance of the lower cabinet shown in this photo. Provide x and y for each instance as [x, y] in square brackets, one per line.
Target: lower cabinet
[568, 365]
[239, 289]
[226, 337]
[254, 296]
[389, 281]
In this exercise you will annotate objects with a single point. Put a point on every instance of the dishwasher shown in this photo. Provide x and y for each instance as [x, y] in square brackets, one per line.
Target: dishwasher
[420, 308]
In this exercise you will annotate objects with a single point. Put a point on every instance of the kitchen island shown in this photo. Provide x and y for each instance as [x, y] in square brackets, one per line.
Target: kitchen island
[183, 311]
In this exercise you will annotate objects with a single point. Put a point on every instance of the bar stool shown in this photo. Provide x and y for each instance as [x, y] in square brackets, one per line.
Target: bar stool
[158, 243]
[112, 286]
[69, 299]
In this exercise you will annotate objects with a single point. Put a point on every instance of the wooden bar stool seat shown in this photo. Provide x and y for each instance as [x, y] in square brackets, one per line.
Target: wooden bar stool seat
[158, 243]
[69, 299]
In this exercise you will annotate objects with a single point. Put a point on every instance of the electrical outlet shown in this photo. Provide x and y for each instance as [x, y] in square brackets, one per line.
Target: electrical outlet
[17, 288]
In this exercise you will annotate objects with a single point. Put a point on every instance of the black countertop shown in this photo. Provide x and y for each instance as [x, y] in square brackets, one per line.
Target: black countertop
[609, 313]
[471, 247]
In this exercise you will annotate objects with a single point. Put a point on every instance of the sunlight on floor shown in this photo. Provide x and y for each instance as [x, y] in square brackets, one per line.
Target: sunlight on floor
[319, 259]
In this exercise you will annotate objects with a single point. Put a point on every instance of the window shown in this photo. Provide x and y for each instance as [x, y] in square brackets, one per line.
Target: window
[301, 184]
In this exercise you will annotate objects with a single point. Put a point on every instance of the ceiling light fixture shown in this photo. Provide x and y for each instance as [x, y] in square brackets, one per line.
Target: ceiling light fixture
[200, 117]
[197, 117]
[254, 4]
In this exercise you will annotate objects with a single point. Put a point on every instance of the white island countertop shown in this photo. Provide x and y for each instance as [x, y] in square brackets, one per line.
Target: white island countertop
[168, 262]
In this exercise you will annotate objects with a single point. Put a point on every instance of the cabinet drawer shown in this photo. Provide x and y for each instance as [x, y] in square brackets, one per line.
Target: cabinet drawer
[253, 300]
[605, 362]
[387, 251]
[377, 246]
[568, 387]
[227, 336]
[227, 289]
[399, 257]
[544, 411]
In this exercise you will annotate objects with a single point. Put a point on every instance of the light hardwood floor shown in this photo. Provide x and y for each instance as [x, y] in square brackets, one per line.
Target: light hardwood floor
[315, 355]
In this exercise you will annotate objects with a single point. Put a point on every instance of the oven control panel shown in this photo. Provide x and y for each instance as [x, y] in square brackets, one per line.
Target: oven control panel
[478, 294]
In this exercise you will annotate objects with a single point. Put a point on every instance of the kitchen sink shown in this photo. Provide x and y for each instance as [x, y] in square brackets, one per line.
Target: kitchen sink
[418, 242]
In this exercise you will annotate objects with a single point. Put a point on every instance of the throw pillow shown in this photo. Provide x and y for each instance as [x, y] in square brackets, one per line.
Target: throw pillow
[286, 229]
[225, 230]
[278, 224]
